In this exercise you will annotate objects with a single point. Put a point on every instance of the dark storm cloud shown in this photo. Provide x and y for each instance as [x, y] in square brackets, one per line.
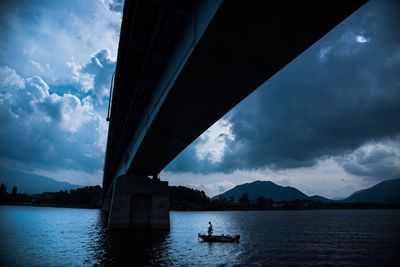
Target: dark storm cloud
[326, 105]
[340, 94]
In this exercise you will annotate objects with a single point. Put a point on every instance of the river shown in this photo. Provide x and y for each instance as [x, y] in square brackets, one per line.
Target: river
[40, 236]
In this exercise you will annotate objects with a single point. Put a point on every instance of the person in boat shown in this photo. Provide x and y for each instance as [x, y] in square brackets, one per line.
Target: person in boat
[210, 229]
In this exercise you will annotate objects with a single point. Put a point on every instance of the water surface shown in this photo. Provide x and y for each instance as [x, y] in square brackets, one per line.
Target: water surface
[33, 236]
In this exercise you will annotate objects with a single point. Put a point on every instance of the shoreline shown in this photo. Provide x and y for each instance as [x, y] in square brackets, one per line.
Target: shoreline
[347, 206]
[49, 205]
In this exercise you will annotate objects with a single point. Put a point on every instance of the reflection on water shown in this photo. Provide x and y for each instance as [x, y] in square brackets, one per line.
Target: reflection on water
[31, 236]
[124, 248]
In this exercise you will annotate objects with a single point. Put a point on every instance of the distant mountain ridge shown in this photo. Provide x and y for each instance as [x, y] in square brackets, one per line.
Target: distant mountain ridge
[385, 192]
[30, 183]
[269, 190]
[320, 198]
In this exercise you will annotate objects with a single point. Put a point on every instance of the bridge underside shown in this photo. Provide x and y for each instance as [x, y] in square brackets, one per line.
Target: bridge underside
[245, 43]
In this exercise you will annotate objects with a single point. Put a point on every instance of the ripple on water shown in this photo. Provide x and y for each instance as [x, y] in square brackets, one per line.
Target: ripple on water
[78, 237]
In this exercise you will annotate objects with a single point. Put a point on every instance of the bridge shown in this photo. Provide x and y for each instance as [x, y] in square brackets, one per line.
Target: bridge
[181, 66]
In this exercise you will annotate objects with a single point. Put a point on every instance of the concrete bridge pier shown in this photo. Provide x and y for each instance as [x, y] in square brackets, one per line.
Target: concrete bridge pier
[139, 203]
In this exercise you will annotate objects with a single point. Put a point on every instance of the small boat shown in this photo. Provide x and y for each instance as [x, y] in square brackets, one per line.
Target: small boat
[219, 238]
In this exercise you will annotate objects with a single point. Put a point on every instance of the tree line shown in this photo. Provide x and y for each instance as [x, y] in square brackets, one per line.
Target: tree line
[182, 198]
[3, 190]
[88, 197]
[11, 196]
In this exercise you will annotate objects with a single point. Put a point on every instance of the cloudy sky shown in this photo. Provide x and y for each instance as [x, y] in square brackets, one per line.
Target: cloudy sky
[328, 123]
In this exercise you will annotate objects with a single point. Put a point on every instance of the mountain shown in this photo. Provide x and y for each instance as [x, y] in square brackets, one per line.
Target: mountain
[266, 189]
[384, 192]
[320, 198]
[31, 183]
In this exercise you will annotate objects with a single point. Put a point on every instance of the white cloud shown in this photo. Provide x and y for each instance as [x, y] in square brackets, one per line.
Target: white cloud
[213, 142]
[10, 79]
[361, 39]
[37, 88]
[45, 129]
[56, 62]
[324, 52]
[214, 189]
[42, 40]
[348, 42]
[75, 113]
[84, 80]
[96, 74]
[45, 123]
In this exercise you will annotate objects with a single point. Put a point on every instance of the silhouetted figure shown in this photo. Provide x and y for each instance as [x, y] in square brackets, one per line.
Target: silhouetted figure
[210, 229]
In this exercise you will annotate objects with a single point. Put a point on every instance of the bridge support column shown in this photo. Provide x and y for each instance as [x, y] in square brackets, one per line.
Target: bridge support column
[139, 202]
